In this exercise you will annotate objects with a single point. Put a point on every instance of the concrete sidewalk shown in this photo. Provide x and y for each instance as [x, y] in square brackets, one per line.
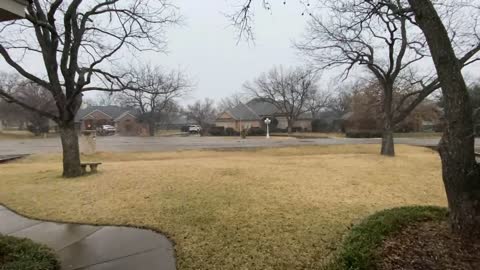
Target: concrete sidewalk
[85, 247]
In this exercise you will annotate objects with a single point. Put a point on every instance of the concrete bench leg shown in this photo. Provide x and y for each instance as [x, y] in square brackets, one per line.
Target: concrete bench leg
[93, 168]
[84, 169]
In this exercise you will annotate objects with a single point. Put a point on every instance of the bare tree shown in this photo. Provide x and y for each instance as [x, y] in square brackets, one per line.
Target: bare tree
[39, 98]
[366, 106]
[461, 173]
[231, 101]
[318, 101]
[154, 92]
[203, 113]
[340, 102]
[30, 94]
[103, 99]
[289, 90]
[77, 41]
[374, 36]
[356, 34]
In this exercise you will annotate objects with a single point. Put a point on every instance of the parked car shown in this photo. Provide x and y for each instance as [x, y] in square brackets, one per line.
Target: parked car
[194, 128]
[105, 130]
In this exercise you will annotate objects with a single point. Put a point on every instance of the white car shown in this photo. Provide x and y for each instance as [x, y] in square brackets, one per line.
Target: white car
[107, 130]
[194, 128]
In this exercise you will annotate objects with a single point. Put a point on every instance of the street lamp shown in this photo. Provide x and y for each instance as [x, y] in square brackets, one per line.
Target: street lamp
[267, 122]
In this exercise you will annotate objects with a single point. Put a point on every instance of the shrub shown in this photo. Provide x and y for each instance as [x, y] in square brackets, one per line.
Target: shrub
[243, 133]
[231, 132]
[363, 134]
[322, 125]
[217, 131]
[256, 131]
[359, 248]
[184, 129]
[20, 254]
[279, 130]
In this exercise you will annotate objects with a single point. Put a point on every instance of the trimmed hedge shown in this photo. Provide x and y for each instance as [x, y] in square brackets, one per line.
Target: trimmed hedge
[216, 131]
[358, 250]
[21, 254]
[256, 131]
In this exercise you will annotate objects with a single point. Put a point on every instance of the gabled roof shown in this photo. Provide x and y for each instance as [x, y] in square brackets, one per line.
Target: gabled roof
[243, 112]
[113, 111]
[262, 107]
[123, 115]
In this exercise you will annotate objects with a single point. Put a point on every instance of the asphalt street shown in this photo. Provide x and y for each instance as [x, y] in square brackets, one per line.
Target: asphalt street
[154, 144]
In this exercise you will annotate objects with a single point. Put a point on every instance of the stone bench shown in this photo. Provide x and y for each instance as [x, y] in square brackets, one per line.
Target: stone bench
[93, 166]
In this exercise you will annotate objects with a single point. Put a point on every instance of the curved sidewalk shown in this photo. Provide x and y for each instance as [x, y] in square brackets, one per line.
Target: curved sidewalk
[85, 247]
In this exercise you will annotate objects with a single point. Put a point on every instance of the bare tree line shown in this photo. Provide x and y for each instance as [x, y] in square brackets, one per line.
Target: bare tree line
[461, 173]
[155, 92]
[293, 92]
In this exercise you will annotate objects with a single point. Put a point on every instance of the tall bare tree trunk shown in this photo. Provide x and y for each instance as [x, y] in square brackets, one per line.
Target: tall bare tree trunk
[461, 173]
[71, 151]
[151, 126]
[388, 146]
[289, 126]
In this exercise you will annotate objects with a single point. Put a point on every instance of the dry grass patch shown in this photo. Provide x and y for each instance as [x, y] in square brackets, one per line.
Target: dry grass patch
[281, 208]
[22, 135]
[310, 135]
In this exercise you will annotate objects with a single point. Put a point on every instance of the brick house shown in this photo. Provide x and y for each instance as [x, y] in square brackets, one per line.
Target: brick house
[123, 119]
[253, 113]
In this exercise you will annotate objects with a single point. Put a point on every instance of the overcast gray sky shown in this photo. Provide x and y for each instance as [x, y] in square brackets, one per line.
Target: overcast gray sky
[206, 46]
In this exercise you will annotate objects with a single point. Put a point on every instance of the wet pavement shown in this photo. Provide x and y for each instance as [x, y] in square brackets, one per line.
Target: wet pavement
[154, 144]
[85, 247]
[7, 158]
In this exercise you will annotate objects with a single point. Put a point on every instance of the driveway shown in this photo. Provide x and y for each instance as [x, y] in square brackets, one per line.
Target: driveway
[153, 144]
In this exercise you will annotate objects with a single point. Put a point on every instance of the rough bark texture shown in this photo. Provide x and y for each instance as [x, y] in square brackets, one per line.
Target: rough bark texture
[461, 173]
[151, 126]
[71, 151]
[388, 147]
[290, 123]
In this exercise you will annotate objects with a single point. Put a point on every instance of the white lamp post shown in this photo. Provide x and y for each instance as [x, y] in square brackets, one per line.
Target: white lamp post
[267, 122]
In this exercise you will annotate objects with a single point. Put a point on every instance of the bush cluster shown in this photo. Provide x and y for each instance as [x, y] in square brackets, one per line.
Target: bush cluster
[21, 254]
[358, 251]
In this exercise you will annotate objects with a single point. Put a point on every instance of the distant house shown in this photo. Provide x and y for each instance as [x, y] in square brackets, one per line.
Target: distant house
[253, 113]
[123, 119]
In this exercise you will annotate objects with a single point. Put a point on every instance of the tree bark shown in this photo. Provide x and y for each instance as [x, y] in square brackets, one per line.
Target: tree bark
[151, 127]
[388, 146]
[461, 173]
[71, 151]
[289, 126]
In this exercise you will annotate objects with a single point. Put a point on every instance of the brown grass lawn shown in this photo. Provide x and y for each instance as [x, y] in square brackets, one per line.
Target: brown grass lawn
[284, 208]
[22, 134]
[310, 135]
